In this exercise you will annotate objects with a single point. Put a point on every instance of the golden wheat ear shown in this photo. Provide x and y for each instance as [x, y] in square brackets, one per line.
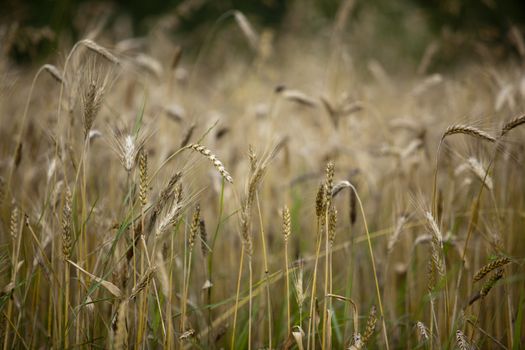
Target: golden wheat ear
[96, 48]
[54, 72]
[488, 268]
[514, 123]
[468, 130]
[213, 158]
[462, 341]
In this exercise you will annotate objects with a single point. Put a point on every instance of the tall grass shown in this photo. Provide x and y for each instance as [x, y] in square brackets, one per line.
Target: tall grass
[105, 195]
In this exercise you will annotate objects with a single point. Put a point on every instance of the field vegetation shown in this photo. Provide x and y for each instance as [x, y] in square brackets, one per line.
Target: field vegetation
[267, 188]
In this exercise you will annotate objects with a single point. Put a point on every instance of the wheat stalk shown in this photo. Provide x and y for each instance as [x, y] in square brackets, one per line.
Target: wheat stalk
[329, 184]
[195, 223]
[287, 230]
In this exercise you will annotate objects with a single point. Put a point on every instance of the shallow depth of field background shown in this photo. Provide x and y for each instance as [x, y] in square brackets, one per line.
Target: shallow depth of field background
[97, 251]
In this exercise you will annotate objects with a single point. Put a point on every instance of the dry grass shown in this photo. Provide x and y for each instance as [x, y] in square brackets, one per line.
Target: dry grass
[350, 197]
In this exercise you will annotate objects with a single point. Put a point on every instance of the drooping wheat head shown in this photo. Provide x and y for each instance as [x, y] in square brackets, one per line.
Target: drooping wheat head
[491, 283]
[488, 268]
[54, 72]
[99, 50]
[468, 130]
[514, 123]
[213, 158]
[142, 283]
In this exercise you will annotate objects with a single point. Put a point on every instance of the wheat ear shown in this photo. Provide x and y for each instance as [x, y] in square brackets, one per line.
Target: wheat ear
[493, 265]
[213, 158]
[512, 124]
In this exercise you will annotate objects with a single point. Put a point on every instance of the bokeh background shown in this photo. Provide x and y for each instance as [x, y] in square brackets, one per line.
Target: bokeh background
[395, 30]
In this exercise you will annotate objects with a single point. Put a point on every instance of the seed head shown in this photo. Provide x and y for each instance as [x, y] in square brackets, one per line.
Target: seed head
[216, 162]
[66, 226]
[195, 224]
[287, 227]
[493, 265]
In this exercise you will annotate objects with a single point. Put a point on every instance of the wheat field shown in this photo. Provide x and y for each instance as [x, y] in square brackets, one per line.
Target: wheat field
[265, 193]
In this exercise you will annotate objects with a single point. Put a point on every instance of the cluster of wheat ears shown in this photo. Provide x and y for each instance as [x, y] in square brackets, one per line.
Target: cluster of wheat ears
[352, 233]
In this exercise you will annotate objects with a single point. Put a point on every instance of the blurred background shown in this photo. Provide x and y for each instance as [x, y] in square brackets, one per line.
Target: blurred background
[394, 31]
